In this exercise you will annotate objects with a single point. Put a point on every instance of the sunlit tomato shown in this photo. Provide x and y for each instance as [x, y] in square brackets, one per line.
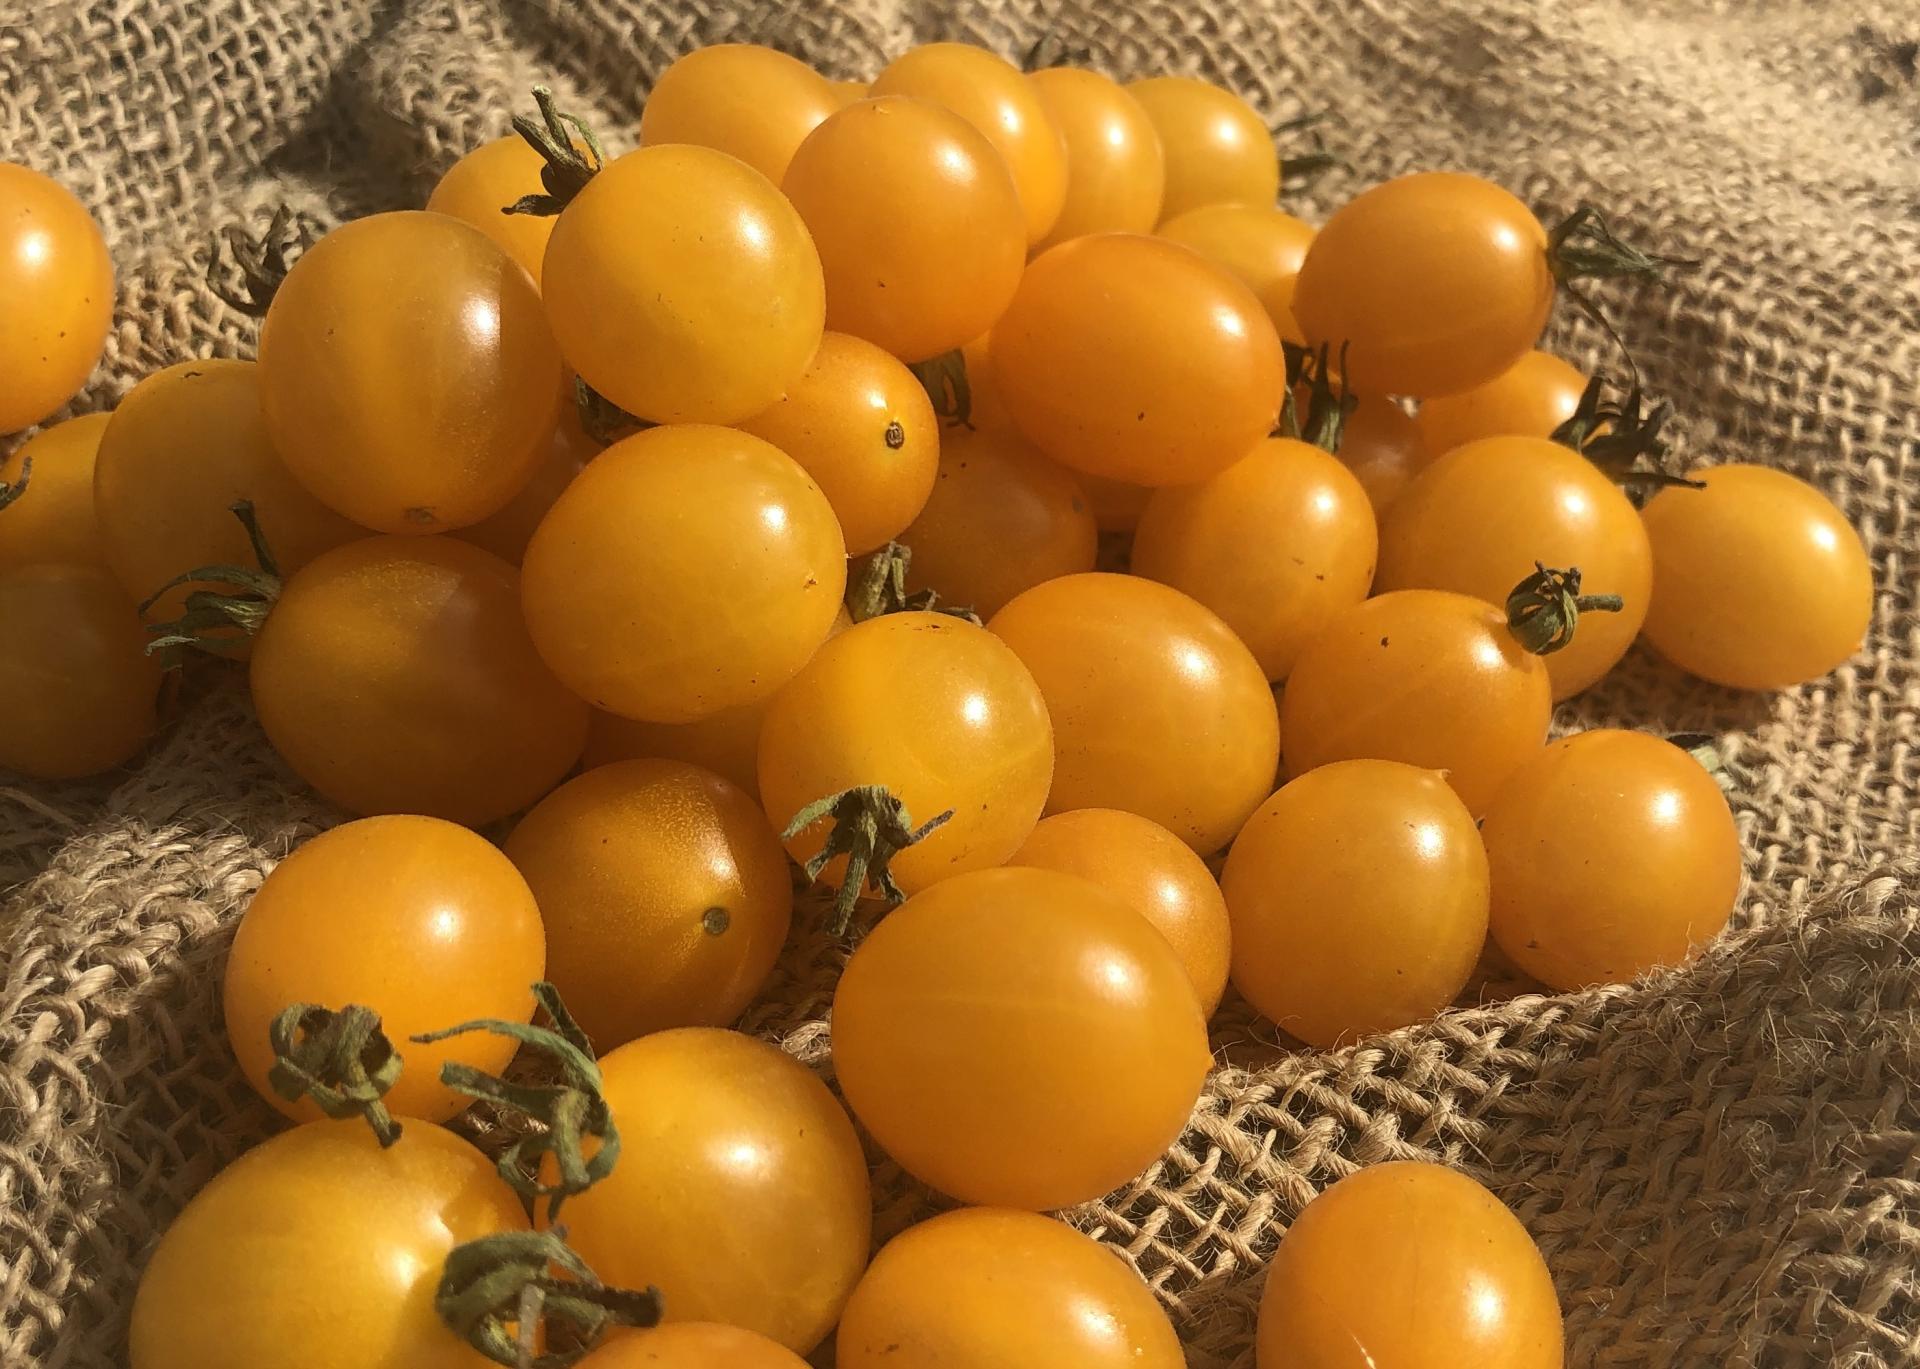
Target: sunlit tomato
[1218, 149]
[686, 570]
[741, 1192]
[1116, 505]
[1157, 708]
[1381, 446]
[1530, 398]
[748, 101]
[1410, 1265]
[691, 1345]
[1479, 519]
[1424, 676]
[1137, 359]
[1278, 544]
[1002, 518]
[1612, 853]
[415, 918]
[1157, 875]
[986, 1286]
[850, 92]
[1116, 173]
[507, 532]
[407, 373]
[1760, 582]
[1435, 283]
[919, 227]
[1261, 245]
[1359, 901]
[57, 280]
[479, 187]
[255, 1273]
[859, 423]
[52, 520]
[77, 688]
[1019, 1037]
[395, 676]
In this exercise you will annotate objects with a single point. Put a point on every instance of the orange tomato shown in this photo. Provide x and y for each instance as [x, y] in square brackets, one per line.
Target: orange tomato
[691, 1345]
[478, 188]
[1262, 246]
[1530, 398]
[52, 519]
[507, 533]
[57, 279]
[1116, 505]
[1381, 446]
[1218, 149]
[748, 101]
[1116, 173]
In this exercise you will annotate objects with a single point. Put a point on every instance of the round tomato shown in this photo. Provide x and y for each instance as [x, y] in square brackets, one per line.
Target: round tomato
[1530, 398]
[1262, 246]
[50, 519]
[1218, 149]
[478, 188]
[1116, 505]
[691, 1345]
[1116, 174]
[748, 101]
[58, 283]
[507, 532]
[985, 409]
[849, 92]
[1383, 449]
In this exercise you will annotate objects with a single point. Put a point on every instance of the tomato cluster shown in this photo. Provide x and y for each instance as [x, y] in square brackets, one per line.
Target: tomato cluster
[541, 500]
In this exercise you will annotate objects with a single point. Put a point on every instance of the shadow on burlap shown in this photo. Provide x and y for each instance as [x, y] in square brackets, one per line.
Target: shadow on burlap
[1722, 1164]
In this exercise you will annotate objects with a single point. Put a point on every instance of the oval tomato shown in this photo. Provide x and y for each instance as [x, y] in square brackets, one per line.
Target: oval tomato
[1116, 173]
[52, 520]
[57, 279]
[1530, 398]
[1262, 246]
[749, 101]
[1218, 149]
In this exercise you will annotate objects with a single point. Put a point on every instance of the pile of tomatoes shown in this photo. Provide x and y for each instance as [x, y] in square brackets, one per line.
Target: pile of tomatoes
[549, 513]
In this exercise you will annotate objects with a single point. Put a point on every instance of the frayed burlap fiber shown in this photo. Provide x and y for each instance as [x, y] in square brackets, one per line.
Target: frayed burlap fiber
[1722, 1164]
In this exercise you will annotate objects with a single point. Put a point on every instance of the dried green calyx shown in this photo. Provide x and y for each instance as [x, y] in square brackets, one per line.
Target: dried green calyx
[1544, 608]
[341, 1060]
[1324, 422]
[11, 492]
[507, 1294]
[1300, 169]
[260, 260]
[601, 419]
[1583, 246]
[879, 587]
[229, 598]
[944, 378]
[870, 827]
[572, 153]
[1624, 438]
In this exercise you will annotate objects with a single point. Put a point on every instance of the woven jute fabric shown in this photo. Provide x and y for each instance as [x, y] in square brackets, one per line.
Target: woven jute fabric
[1721, 1163]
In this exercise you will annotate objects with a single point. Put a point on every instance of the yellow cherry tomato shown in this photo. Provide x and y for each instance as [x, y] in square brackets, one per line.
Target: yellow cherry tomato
[1358, 895]
[319, 1250]
[1116, 174]
[859, 423]
[1278, 544]
[418, 919]
[1613, 853]
[57, 280]
[1116, 505]
[1019, 1037]
[478, 188]
[1410, 1265]
[1760, 582]
[507, 532]
[1137, 359]
[1014, 1290]
[748, 101]
[52, 520]
[691, 1345]
[1157, 708]
[985, 409]
[394, 675]
[686, 570]
[1259, 244]
[1381, 446]
[77, 688]
[850, 92]
[1218, 149]
[1530, 398]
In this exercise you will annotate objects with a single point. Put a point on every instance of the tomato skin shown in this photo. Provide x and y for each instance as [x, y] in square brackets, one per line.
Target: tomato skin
[745, 100]
[57, 279]
[1116, 173]
[850, 92]
[727, 743]
[1412, 1265]
[53, 521]
[1262, 246]
[986, 1286]
[1760, 581]
[691, 1345]
[1218, 149]
[1381, 446]
[507, 533]
[1612, 853]
[478, 187]
[1019, 1037]
[418, 919]
[1530, 398]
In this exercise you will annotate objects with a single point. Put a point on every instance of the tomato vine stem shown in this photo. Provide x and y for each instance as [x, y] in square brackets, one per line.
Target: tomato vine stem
[557, 136]
[1544, 608]
[11, 492]
[498, 1292]
[245, 604]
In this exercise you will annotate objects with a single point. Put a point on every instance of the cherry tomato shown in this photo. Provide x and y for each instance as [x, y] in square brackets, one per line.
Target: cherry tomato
[394, 675]
[935, 709]
[692, 1345]
[1478, 519]
[479, 187]
[985, 409]
[1435, 283]
[1410, 1265]
[686, 570]
[1383, 449]
[748, 101]
[1215, 541]
[919, 226]
[313, 1224]
[77, 688]
[984, 1286]
[1116, 174]
[58, 283]
[52, 520]
[1002, 518]
[1019, 1037]
[1154, 873]
[1359, 901]
[1530, 398]
[1760, 582]
[1116, 505]
[507, 532]
[1612, 853]
[859, 423]
[850, 92]
[1157, 708]
[741, 1192]
[1137, 359]
[1218, 149]
[415, 918]
[1262, 246]
[1424, 676]
[355, 410]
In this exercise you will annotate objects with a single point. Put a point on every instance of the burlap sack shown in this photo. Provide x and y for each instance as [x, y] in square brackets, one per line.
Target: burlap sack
[1722, 1164]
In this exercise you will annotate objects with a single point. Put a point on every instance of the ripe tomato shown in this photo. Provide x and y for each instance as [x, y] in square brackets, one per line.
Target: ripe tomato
[52, 519]
[1450, 1278]
[1137, 359]
[1760, 582]
[1383, 449]
[415, 918]
[919, 227]
[984, 1286]
[1424, 676]
[1116, 505]
[1157, 708]
[394, 675]
[1359, 901]
[748, 101]
[58, 283]
[741, 1192]
[859, 423]
[478, 188]
[1530, 398]
[1218, 149]
[1019, 1037]
[849, 92]
[257, 1270]
[1612, 853]
[77, 688]
[985, 407]
[1262, 246]
[691, 1345]
[353, 409]
[507, 532]
[1216, 541]
[686, 570]
[1116, 174]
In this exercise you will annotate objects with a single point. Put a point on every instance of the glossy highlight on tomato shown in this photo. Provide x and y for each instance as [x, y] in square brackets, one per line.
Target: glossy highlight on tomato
[1262, 246]
[749, 101]
[57, 279]
[1116, 173]
[1218, 149]
[53, 521]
